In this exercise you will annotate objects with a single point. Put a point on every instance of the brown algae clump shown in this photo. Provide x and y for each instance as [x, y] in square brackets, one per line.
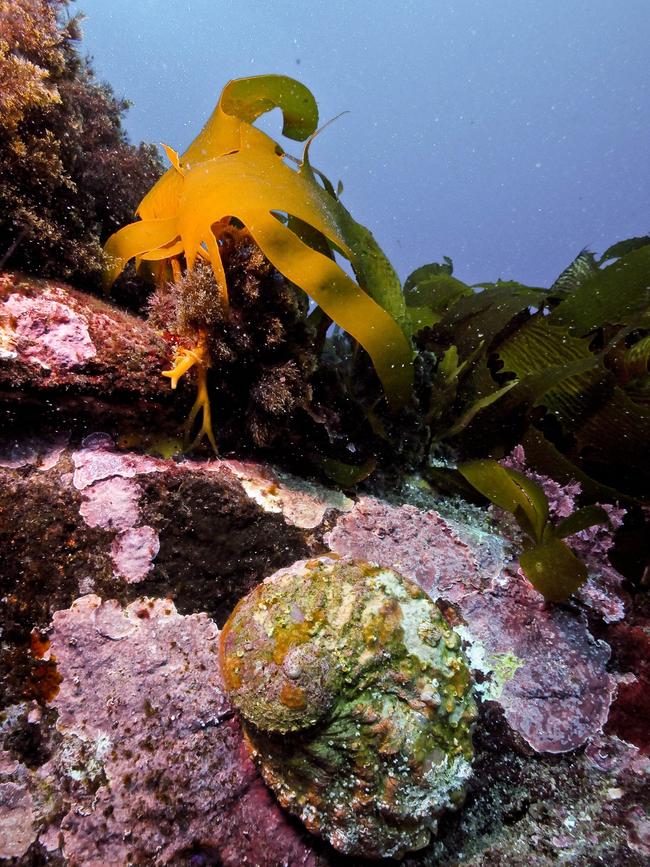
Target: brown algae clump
[356, 700]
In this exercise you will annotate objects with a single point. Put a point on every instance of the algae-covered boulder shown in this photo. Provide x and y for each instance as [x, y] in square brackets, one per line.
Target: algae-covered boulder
[356, 701]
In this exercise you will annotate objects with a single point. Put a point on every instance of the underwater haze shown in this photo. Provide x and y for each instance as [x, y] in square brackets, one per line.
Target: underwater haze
[505, 135]
[306, 561]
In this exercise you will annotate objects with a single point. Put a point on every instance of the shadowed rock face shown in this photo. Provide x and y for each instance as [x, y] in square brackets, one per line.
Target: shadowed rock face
[357, 702]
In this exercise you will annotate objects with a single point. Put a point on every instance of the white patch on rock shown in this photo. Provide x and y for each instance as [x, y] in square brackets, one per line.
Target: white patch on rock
[49, 334]
[303, 503]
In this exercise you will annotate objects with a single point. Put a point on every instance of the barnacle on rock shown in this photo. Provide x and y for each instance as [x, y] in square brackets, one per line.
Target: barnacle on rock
[356, 701]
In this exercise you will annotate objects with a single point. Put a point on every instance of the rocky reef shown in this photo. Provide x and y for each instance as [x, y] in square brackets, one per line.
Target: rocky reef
[119, 567]
[386, 599]
[118, 735]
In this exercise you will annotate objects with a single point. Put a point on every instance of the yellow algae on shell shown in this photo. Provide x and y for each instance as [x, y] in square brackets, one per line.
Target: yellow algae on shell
[356, 702]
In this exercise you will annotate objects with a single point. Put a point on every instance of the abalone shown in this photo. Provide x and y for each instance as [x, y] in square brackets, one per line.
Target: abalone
[356, 702]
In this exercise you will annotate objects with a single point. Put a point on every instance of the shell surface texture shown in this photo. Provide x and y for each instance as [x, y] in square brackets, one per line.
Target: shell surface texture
[356, 702]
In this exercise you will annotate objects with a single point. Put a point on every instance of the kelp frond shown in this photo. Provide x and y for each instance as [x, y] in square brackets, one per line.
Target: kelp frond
[233, 170]
[547, 561]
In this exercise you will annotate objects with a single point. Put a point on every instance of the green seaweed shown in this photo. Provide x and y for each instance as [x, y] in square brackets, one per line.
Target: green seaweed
[548, 562]
[568, 364]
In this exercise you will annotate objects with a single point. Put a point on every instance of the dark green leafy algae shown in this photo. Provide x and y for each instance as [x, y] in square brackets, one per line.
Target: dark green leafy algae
[563, 370]
[356, 700]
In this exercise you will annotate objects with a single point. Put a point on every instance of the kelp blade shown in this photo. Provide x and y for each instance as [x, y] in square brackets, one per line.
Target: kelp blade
[137, 239]
[343, 301]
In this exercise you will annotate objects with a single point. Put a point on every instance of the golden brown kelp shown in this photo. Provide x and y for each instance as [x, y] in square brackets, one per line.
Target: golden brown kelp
[234, 172]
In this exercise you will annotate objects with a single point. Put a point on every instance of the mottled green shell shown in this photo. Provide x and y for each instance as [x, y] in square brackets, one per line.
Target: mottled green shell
[356, 701]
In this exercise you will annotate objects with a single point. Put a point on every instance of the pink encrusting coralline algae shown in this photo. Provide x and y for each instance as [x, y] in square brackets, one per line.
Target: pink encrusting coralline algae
[142, 688]
[559, 692]
[111, 501]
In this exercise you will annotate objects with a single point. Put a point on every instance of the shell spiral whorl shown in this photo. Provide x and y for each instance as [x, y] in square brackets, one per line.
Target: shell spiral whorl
[356, 701]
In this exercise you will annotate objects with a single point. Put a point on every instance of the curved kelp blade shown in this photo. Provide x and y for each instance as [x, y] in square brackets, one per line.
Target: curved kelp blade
[242, 101]
[553, 569]
[582, 519]
[583, 267]
[634, 363]
[430, 291]
[512, 491]
[616, 295]
[346, 475]
[483, 316]
[342, 300]
[137, 239]
[561, 374]
[622, 248]
[560, 371]
[249, 180]
[249, 98]
[371, 267]
[474, 408]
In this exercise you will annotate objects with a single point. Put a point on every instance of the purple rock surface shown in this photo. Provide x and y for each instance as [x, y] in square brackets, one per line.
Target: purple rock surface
[99, 459]
[17, 828]
[142, 686]
[560, 693]
[121, 780]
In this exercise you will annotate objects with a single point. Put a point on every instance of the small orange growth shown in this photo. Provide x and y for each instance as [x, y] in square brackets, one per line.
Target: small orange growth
[185, 359]
[44, 680]
[287, 637]
[39, 644]
[292, 696]
[231, 670]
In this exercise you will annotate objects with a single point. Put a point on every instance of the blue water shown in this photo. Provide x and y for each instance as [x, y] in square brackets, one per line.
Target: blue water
[505, 134]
